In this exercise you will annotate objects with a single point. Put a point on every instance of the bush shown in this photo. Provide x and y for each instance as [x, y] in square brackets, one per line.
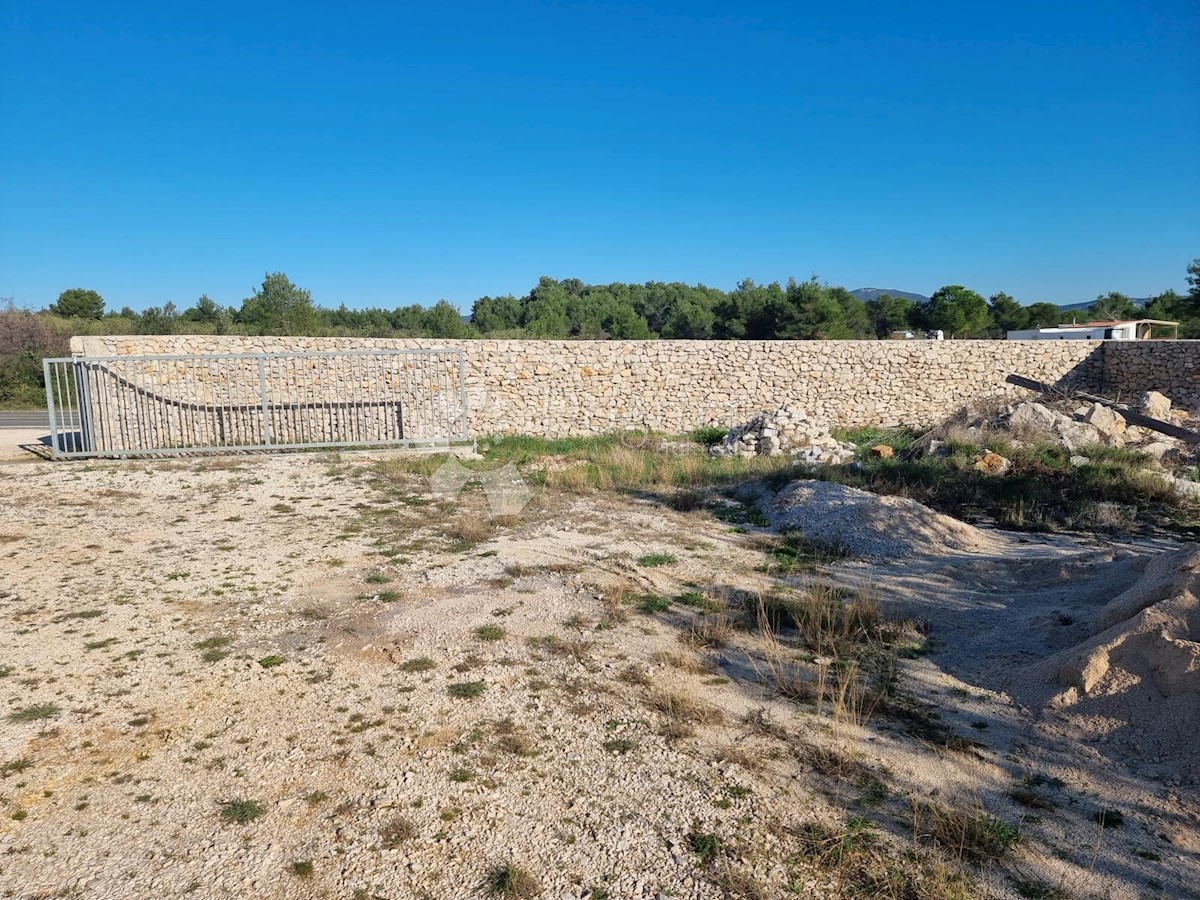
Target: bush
[709, 435]
[25, 339]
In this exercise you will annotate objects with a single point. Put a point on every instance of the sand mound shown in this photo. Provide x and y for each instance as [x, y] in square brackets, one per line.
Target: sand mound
[866, 524]
[1136, 680]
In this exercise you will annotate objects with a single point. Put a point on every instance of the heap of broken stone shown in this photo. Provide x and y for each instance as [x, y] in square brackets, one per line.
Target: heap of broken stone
[786, 431]
[1090, 425]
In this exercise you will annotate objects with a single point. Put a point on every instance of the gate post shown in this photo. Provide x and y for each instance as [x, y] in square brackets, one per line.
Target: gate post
[50, 409]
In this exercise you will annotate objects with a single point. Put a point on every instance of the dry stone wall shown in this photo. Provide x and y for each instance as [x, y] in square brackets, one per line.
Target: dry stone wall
[558, 388]
[1171, 367]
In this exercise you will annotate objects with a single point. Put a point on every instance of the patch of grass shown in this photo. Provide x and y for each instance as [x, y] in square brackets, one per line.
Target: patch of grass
[214, 648]
[708, 632]
[970, 833]
[389, 596]
[490, 633]
[34, 713]
[468, 531]
[518, 744]
[653, 560]
[378, 578]
[682, 708]
[653, 603]
[792, 553]
[15, 766]
[240, 812]
[512, 881]
[302, 868]
[619, 746]
[466, 690]
[270, 662]
[709, 435]
[697, 600]
[899, 439]
[1042, 491]
[419, 664]
[705, 845]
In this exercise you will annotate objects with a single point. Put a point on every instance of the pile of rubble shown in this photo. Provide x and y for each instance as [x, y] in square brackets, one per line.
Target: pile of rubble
[785, 432]
[1090, 425]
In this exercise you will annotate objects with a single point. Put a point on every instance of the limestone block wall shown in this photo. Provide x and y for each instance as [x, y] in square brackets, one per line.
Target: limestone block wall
[559, 388]
[1171, 367]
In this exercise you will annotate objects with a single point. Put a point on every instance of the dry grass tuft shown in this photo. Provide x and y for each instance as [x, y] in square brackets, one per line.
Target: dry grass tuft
[708, 632]
[396, 832]
[681, 708]
[468, 530]
[969, 833]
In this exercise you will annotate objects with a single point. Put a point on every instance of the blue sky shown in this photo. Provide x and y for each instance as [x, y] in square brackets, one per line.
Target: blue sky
[386, 154]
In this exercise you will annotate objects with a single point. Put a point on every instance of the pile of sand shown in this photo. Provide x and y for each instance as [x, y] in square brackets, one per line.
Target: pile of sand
[1136, 680]
[866, 524]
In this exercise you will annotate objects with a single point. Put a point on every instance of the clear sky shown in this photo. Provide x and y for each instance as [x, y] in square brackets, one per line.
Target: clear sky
[392, 153]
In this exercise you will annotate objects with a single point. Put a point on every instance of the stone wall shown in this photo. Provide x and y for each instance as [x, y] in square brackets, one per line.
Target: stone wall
[1171, 367]
[558, 388]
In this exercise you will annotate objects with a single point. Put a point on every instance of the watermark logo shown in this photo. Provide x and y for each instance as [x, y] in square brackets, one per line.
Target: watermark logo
[504, 488]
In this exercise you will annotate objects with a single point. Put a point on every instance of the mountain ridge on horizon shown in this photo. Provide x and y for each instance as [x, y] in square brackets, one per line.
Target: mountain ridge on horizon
[869, 293]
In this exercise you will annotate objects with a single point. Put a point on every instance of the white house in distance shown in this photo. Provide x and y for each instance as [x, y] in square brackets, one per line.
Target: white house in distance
[1129, 330]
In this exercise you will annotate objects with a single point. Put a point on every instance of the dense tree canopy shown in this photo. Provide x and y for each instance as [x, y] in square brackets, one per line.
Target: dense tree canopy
[78, 303]
[1111, 306]
[571, 308]
[278, 307]
[959, 312]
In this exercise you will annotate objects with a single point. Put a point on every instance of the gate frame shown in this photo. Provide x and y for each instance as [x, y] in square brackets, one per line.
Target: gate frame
[85, 438]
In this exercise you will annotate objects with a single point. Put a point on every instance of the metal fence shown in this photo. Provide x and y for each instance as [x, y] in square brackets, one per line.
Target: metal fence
[122, 406]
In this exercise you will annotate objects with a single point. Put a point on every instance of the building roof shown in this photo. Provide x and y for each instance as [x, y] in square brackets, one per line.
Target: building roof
[1111, 323]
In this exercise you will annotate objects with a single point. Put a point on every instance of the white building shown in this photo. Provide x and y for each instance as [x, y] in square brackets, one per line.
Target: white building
[1130, 330]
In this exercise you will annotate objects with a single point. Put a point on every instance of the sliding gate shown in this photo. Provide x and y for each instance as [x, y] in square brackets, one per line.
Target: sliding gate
[122, 406]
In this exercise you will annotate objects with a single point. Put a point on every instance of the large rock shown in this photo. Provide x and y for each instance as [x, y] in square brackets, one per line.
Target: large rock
[1156, 405]
[1034, 421]
[1107, 421]
[1035, 417]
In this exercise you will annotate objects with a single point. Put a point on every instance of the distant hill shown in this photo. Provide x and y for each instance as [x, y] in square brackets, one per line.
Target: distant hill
[865, 294]
[1139, 302]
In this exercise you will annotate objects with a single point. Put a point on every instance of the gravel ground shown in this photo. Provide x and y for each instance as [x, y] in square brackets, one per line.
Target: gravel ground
[295, 676]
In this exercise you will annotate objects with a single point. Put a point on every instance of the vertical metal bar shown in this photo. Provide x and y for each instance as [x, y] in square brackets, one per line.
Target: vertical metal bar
[80, 398]
[401, 399]
[262, 389]
[462, 392]
[335, 394]
[46, 364]
[103, 377]
[59, 378]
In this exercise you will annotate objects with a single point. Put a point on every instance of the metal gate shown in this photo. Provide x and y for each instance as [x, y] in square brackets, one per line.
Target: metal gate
[122, 406]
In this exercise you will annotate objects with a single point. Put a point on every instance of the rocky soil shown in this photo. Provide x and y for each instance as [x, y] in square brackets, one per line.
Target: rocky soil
[307, 676]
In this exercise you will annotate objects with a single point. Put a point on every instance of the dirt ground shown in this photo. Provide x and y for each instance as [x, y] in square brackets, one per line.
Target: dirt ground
[288, 677]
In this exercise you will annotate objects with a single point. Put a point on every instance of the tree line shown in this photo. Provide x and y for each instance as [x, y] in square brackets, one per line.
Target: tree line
[570, 308]
[566, 308]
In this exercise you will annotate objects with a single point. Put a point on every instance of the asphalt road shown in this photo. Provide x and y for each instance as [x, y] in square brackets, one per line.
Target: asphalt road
[26, 418]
